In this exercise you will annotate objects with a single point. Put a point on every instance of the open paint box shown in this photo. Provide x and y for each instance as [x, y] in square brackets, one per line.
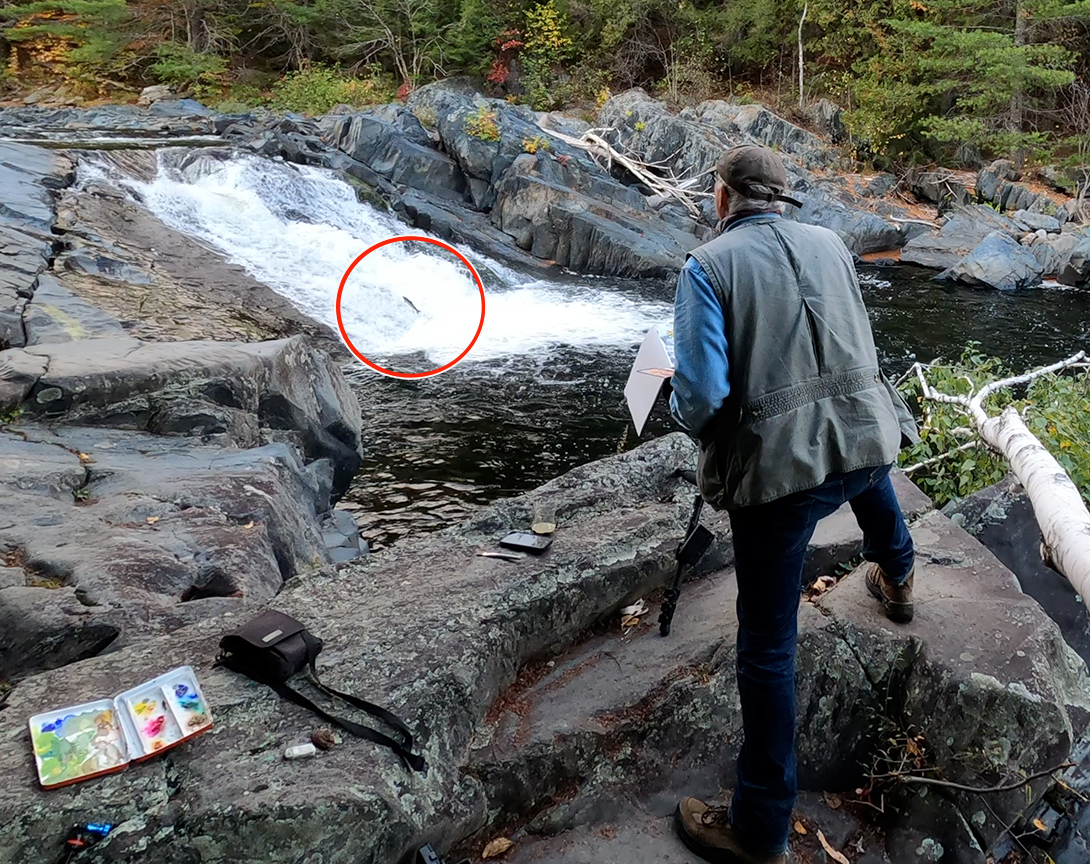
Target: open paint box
[101, 737]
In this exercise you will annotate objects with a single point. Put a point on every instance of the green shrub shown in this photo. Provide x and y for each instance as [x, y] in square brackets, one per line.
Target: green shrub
[482, 124]
[317, 89]
[1056, 409]
[241, 98]
[535, 143]
[179, 66]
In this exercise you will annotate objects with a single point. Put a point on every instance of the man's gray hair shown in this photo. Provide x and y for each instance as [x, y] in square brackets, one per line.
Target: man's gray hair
[739, 203]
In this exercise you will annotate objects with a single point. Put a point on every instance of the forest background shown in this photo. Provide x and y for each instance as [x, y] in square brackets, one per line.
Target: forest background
[952, 81]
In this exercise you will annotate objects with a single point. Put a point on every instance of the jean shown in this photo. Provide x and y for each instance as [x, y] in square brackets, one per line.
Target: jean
[770, 542]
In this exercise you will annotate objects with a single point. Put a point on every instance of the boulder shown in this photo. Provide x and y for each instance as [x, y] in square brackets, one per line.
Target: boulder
[485, 161]
[383, 148]
[862, 232]
[1036, 221]
[693, 141]
[1053, 251]
[1075, 269]
[938, 187]
[879, 185]
[962, 232]
[1001, 517]
[244, 395]
[154, 93]
[828, 118]
[999, 261]
[556, 211]
[755, 123]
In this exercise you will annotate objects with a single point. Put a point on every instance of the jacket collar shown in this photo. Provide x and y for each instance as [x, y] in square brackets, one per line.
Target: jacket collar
[745, 217]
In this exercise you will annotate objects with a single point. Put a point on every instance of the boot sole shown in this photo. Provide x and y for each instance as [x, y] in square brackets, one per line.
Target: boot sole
[899, 613]
[708, 853]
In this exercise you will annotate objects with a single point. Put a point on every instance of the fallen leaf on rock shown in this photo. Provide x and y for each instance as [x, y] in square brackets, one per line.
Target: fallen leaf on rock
[85, 457]
[800, 828]
[1039, 825]
[249, 524]
[833, 802]
[499, 846]
[638, 608]
[823, 584]
[839, 857]
[152, 520]
[629, 621]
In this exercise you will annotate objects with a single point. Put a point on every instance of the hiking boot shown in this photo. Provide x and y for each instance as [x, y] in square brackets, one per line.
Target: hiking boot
[707, 832]
[896, 599]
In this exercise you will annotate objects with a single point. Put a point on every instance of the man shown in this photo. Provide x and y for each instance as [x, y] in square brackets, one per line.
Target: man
[777, 376]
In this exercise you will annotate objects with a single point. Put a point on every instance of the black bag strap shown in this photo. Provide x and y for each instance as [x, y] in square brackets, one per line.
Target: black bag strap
[410, 759]
[377, 711]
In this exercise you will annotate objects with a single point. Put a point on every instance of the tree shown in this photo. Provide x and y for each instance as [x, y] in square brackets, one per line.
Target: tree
[87, 31]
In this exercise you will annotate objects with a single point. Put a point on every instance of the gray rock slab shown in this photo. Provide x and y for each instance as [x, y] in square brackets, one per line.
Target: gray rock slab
[959, 236]
[198, 389]
[55, 314]
[1000, 262]
[1001, 518]
[439, 635]
[139, 528]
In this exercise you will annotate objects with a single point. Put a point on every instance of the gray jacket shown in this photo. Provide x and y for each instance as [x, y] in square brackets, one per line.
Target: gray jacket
[807, 397]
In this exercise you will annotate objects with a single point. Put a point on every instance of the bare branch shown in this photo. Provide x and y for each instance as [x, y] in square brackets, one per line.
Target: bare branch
[947, 784]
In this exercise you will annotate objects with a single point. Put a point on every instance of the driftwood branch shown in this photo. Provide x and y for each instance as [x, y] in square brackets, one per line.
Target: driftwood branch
[593, 142]
[1057, 503]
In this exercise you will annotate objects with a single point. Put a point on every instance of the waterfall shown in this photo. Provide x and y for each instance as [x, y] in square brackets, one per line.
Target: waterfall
[298, 228]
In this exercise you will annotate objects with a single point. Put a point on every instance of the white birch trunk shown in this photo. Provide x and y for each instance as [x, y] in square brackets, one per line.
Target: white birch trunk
[1057, 503]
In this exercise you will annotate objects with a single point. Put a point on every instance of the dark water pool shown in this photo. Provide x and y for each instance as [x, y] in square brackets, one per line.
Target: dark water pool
[440, 447]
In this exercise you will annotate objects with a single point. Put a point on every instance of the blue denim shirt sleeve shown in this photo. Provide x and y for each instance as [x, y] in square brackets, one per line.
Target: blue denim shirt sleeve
[700, 382]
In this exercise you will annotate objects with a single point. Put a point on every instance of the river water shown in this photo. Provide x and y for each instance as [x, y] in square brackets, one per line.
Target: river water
[541, 391]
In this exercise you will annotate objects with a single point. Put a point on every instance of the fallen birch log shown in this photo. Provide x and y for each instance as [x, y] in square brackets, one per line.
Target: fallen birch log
[1057, 503]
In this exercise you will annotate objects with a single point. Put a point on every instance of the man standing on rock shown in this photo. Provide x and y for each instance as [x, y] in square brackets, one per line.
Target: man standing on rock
[778, 378]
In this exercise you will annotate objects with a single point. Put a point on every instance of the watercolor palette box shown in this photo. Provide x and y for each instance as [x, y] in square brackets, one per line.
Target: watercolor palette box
[95, 738]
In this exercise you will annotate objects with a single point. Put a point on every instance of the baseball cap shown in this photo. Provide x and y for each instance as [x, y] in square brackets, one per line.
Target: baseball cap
[755, 172]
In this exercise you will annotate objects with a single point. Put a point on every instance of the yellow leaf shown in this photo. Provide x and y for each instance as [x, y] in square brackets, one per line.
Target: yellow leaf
[152, 520]
[1039, 825]
[497, 847]
[84, 457]
[839, 857]
[1064, 445]
[800, 828]
[629, 621]
[249, 524]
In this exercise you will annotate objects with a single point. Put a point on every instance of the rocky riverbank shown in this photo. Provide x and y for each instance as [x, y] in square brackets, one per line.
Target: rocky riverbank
[174, 434]
[493, 176]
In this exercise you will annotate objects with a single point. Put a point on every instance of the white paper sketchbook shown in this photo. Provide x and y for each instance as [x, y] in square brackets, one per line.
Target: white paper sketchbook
[654, 364]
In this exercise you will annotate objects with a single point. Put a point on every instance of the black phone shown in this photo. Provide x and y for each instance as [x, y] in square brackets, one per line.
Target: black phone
[525, 542]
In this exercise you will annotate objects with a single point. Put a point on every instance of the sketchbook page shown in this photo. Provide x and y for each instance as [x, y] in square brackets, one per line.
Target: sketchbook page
[645, 380]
